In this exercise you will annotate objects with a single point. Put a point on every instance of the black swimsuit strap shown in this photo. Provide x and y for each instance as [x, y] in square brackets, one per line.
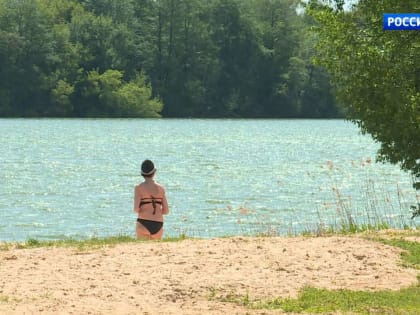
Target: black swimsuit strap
[153, 201]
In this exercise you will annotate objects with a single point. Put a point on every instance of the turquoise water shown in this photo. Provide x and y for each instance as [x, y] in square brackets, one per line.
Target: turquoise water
[74, 178]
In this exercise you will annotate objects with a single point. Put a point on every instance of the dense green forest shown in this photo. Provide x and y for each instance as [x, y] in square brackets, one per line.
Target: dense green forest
[152, 58]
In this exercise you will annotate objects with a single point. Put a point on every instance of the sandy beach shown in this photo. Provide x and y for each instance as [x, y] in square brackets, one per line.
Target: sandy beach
[191, 276]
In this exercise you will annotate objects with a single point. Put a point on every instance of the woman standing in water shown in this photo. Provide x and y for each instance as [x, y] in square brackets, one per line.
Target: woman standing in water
[150, 204]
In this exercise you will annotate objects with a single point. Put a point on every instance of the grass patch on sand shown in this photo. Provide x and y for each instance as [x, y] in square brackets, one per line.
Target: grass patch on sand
[4, 299]
[411, 254]
[321, 301]
[81, 244]
[94, 242]
[7, 299]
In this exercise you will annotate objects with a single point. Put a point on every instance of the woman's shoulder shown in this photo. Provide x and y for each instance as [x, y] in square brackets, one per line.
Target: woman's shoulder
[142, 188]
[139, 186]
[160, 187]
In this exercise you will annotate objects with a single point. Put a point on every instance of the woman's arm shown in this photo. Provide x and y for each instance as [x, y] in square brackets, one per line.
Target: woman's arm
[165, 207]
[136, 208]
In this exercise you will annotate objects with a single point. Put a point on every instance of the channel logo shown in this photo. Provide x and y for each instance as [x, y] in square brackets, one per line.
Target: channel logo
[402, 21]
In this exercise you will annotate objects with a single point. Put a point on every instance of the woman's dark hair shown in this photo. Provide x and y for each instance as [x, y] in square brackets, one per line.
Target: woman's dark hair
[147, 168]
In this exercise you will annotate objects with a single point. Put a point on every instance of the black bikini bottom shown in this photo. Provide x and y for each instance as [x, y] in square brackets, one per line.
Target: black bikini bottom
[152, 226]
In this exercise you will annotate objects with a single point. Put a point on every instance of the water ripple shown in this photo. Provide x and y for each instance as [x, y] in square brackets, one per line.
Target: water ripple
[65, 178]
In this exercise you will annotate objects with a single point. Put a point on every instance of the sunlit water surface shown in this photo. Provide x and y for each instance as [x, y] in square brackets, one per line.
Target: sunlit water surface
[74, 178]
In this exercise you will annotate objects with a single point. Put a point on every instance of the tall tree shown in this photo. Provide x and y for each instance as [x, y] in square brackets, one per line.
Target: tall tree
[27, 51]
[280, 26]
[237, 52]
[376, 74]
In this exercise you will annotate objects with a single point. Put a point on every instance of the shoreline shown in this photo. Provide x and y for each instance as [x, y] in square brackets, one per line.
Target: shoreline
[193, 276]
[125, 238]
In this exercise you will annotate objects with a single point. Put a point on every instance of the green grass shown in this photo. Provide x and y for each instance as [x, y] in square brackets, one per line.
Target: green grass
[344, 229]
[321, 301]
[83, 244]
[411, 255]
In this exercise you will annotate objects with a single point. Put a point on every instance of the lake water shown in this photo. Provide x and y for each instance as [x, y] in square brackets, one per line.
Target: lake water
[74, 178]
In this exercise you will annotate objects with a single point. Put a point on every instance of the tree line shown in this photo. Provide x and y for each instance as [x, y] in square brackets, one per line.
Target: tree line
[153, 58]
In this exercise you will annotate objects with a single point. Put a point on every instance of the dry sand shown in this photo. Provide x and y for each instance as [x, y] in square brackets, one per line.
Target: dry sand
[184, 277]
